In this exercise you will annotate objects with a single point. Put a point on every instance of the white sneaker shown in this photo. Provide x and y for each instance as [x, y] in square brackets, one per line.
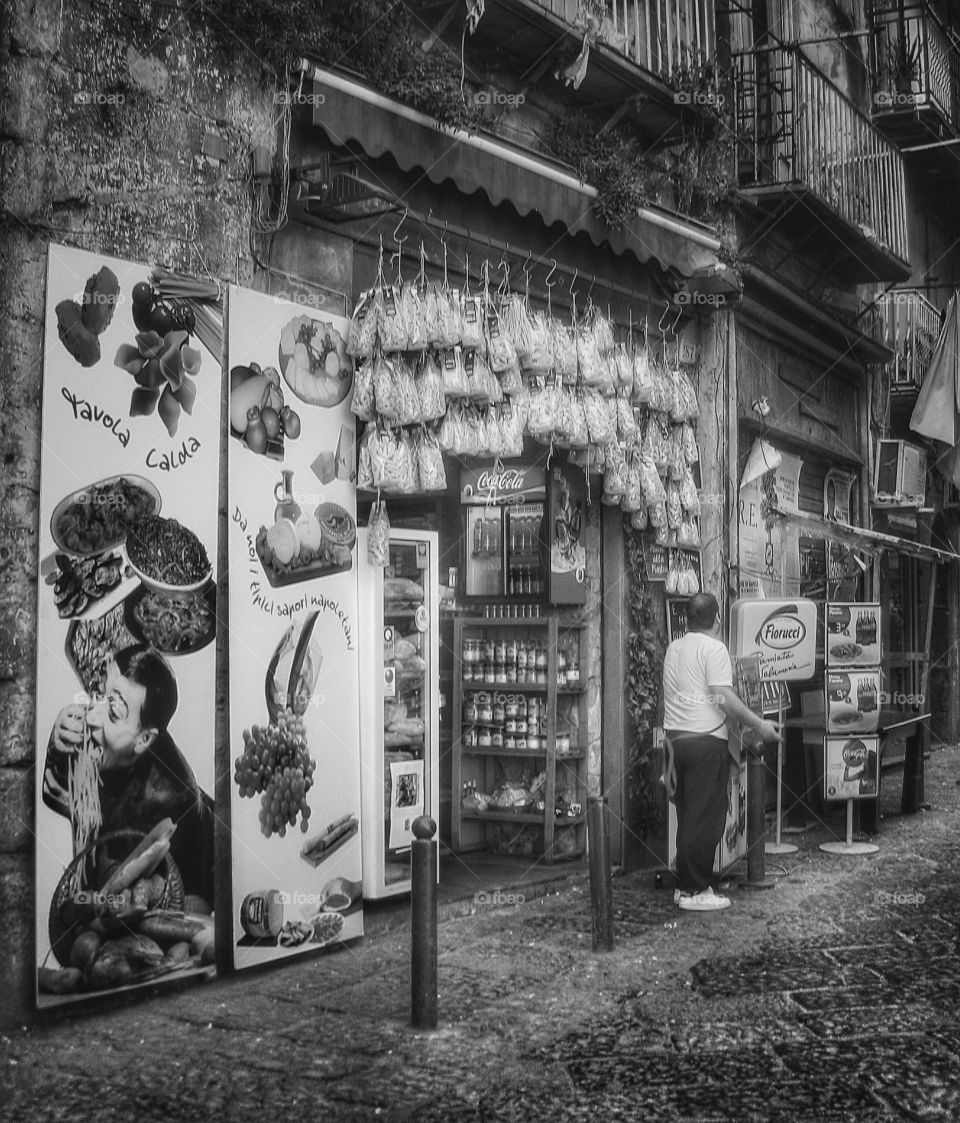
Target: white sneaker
[704, 901]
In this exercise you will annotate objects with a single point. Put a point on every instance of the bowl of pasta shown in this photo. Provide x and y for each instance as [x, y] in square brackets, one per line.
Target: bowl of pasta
[167, 556]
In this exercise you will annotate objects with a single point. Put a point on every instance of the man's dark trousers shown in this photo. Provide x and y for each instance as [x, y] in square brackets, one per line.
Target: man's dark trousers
[703, 771]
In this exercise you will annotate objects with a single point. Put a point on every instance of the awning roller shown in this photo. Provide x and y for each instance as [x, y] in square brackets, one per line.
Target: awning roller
[350, 112]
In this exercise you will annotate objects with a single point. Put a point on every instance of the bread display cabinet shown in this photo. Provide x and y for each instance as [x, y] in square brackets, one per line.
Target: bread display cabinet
[520, 736]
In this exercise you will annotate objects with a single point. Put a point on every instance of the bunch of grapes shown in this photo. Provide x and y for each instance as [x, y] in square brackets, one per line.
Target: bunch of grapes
[276, 762]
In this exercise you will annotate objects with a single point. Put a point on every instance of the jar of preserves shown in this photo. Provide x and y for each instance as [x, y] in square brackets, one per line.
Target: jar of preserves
[261, 914]
[484, 739]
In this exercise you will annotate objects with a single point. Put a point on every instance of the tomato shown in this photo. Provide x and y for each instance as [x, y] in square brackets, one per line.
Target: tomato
[256, 437]
[143, 295]
[161, 321]
[291, 424]
[271, 421]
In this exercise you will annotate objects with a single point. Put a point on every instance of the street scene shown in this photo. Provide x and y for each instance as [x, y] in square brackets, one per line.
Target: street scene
[480, 559]
[829, 996]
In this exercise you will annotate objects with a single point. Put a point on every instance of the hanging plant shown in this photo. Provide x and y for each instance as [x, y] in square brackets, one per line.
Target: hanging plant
[644, 687]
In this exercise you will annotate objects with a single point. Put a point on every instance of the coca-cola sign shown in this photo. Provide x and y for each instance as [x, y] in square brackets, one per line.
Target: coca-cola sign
[513, 483]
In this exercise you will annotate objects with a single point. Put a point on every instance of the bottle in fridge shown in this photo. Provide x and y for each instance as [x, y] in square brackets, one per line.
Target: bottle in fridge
[399, 704]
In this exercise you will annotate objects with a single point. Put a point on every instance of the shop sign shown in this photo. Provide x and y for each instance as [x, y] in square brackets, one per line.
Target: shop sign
[850, 767]
[783, 633]
[513, 484]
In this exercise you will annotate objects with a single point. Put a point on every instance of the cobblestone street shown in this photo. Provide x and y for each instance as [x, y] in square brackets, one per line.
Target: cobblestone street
[831, 996]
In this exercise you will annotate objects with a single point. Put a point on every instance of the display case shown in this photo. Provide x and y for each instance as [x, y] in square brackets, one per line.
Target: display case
[399, 704]
[519, 736]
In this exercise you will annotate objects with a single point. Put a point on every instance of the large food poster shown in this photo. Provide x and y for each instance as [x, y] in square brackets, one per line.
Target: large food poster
[126, 627]
[294, 669]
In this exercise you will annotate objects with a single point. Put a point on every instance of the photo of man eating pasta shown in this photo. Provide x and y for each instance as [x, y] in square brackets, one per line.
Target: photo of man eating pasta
[112, 765]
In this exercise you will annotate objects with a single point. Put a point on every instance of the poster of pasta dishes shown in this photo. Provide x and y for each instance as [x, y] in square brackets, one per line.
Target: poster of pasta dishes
[126, 675]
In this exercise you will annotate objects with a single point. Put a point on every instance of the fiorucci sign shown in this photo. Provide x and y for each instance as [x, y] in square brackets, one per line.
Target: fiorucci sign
[782, 633]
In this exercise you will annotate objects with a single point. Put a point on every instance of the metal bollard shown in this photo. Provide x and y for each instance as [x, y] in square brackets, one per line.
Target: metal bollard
[601, 891]
[423, 925]
[756, 814]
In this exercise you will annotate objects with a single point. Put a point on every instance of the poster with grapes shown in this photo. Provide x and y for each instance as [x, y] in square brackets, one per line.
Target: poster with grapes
[126, 607]
[294, 669]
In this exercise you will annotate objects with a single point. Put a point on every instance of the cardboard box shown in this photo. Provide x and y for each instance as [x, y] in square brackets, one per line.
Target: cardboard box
[852, 634]
[853, 700]
[783, 633]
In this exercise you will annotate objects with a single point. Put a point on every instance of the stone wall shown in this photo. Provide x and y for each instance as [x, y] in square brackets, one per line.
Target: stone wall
[120, 134]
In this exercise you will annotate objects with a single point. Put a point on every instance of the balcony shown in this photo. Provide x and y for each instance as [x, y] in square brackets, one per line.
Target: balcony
[658, 35]
[634, 49]
[819, 167]
[911, 327]
[915, 65]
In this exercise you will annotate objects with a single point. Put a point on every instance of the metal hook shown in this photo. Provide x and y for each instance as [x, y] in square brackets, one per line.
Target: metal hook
[660, 327]
[673, 329]
[553, 269]
[396, 232]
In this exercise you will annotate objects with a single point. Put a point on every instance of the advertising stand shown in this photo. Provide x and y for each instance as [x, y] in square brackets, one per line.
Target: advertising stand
[782, 634]
[852, 685]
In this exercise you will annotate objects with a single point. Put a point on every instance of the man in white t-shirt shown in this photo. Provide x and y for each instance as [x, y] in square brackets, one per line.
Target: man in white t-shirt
[698, 697]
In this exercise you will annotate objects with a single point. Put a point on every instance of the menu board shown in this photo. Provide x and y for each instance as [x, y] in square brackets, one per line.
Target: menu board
[294, 671]
[850, 767]
[852, 632]
[126, 688]
[852, 701]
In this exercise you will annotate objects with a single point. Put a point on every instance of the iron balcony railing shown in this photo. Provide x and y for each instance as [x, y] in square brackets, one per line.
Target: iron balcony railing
[915, 60]
[795, 129]
[911, 327]
[661, 36]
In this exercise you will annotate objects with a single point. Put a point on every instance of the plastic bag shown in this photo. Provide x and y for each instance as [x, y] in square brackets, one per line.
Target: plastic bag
[571, 427]
[378, 535]
[471, 324]
[642, 377]
[430, 469]
[501, 353]
[408, 398]
[515, 323]
[674, 506]
[363, 403]
[511, 380]
[539, 356]
[511, 428]
[455, 383]
[626, 419]
[391, 326]
[623, 368]
[688, 535]
[542, 414]
[638, 519]
[362, 332]
[691, 451]
[415, 318]
[429, 383]
[634, 497]
[588, 358]
[386, 391]
[564, 352]
[661, 393]
[689, 497]
[599, 428]
[615, 473]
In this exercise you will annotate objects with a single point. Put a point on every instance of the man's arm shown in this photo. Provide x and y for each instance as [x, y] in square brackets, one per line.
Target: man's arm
[730, 703]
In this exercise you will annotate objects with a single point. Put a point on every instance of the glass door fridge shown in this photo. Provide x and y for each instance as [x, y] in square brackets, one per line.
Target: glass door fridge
[399, 704]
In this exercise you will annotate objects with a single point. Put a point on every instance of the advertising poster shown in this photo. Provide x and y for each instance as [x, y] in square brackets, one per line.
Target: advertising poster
[294, 671]
[850, 767]
[853, 700]
[781, 633]
[853, 634]
[126, 659]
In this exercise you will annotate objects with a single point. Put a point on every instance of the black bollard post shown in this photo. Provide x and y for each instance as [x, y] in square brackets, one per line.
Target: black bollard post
[756, 814]
[601, 891]
[423, 925]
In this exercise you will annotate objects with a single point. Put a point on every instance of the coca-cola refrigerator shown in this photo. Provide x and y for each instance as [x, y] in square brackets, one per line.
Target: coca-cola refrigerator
[399, 704]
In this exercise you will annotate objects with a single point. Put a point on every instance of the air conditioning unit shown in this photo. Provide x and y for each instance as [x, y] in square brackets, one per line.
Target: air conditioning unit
[899, 475]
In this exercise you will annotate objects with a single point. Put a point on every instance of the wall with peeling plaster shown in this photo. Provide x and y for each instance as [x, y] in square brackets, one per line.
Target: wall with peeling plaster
[104, 113]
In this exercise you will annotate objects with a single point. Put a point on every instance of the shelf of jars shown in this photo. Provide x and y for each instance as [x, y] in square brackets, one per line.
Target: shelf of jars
[519, 718]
